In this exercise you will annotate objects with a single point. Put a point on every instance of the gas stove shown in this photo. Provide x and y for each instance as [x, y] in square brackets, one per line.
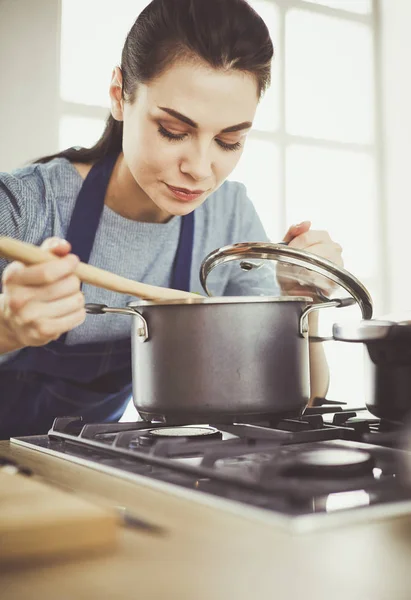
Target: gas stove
[331, 466]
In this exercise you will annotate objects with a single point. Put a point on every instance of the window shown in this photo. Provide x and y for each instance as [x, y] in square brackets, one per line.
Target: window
[314, 141]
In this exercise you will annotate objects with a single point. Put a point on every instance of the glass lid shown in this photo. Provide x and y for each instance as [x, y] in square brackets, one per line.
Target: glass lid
[266, 269]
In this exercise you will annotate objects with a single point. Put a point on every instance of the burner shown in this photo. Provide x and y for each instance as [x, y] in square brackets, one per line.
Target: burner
[185, 432]
[331, 463]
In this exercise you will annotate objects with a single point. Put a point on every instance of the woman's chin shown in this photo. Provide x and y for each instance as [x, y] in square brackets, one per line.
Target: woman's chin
[179, 209]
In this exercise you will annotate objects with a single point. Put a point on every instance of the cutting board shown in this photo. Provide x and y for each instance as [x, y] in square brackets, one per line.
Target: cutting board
[41, 521]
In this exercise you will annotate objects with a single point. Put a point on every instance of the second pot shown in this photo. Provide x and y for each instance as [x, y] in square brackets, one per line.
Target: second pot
[387, 366]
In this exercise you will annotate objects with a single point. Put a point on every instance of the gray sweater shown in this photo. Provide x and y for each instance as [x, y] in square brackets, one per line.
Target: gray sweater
[37, 201]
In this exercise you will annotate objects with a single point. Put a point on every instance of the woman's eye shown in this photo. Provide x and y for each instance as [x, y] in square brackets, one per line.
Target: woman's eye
[171, 136]
[229, 147]
[178, 137]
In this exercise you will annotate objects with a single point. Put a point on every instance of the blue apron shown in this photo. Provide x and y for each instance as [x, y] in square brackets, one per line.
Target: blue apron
[89, 380]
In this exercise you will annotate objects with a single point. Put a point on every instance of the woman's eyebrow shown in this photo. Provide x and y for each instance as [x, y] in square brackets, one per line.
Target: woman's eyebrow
[188, 121]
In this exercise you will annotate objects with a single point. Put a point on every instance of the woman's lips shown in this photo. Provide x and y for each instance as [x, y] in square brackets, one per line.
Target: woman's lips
[185, 195]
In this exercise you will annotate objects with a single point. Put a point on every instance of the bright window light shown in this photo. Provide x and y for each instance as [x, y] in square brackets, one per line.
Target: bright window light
[329, 78]
[362, 7]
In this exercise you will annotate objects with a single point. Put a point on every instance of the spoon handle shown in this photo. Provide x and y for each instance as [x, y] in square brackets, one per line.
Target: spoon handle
[30, 254]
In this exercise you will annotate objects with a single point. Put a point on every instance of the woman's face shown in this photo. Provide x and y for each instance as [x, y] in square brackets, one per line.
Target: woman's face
[187, 130]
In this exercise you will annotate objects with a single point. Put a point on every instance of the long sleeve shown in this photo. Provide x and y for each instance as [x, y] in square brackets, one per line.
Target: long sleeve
[22, 207]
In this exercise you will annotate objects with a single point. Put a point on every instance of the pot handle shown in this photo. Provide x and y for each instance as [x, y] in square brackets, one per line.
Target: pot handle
[372, 331]
[337, 303]
[101, 309]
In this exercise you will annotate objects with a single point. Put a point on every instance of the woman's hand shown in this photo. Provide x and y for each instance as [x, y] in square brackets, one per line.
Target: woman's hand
[318, 242]
[40, 302]
[296, 280]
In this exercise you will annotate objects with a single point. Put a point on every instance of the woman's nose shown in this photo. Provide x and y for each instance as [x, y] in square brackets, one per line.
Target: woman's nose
[198, 164]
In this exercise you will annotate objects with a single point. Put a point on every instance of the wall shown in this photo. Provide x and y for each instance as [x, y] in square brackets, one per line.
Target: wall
[29, 62]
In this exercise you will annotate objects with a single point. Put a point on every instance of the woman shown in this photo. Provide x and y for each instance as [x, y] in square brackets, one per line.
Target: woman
[182, 103]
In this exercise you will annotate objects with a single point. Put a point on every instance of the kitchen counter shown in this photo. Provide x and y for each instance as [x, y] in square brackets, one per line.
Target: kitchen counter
[209, 553]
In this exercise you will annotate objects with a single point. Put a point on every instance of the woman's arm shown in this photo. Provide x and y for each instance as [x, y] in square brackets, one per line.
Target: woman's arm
[319, 371]
[38, 302]
[318, 242]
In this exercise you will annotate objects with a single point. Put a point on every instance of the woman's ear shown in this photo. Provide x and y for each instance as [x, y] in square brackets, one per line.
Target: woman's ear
[116, 94]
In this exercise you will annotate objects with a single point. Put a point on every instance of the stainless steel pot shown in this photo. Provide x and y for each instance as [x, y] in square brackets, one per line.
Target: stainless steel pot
[387, 365]
[231, 358]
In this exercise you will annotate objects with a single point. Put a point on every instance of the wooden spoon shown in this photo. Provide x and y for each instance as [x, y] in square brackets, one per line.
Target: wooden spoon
[30, 254]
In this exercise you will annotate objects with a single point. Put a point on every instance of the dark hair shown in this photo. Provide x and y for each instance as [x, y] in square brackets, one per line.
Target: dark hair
[226, 34]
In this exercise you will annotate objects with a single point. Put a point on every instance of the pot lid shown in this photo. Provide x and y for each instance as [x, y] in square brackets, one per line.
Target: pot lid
[289, 271]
